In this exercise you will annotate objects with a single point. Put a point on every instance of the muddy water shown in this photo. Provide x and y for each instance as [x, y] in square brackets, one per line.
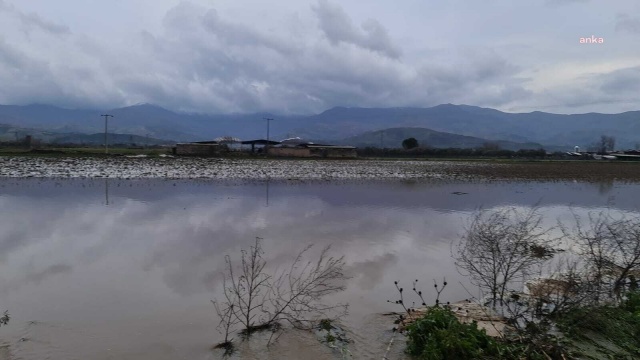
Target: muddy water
[116, 269]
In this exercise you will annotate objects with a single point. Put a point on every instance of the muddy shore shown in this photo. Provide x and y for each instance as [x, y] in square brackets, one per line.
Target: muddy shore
[277, 169]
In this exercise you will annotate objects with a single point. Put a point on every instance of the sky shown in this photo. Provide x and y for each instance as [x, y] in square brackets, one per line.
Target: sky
[304, 57]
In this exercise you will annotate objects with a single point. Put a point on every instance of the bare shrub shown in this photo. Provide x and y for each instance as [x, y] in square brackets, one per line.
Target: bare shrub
[4, 319]
[295, 294]
[228, 320]
[565, 288]
[501, 247]
[610, 245]
[255, 300]
[245, 291]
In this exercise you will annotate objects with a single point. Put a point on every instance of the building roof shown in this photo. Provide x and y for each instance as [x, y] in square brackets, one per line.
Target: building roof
[227, 139]
[204, 142]
[201, 143]
[260, 142]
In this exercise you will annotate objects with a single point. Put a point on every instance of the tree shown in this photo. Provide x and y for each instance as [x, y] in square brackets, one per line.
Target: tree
[490, 145]
[607, 143]
[502, 246]
[410, 143]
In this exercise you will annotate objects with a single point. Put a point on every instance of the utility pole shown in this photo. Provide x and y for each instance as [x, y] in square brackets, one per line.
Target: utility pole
[106, 144]
[268, 141]
[381, 139]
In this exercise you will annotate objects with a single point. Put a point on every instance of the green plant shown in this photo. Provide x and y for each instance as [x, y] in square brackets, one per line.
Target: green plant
[632, 303]
[330, 338]
[325, 324]
[438, 335]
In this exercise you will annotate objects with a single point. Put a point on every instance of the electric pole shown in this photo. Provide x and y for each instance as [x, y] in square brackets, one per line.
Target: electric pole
[268, 141]
[106, 144]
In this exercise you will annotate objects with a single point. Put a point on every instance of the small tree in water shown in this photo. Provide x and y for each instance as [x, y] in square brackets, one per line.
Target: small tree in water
[256, 300]
[610, 244]
[501, 247]
[4, 319]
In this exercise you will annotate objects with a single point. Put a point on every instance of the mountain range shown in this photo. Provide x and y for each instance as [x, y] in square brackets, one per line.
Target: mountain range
[338, 125]
[393, 137]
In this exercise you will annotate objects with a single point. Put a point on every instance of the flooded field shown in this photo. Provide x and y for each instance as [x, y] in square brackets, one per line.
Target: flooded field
[126, 269]
[134, 167]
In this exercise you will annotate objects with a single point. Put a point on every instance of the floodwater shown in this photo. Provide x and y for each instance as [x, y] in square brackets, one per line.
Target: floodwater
[126, 269]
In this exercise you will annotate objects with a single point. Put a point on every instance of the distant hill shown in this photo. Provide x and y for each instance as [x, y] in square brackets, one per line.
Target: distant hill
[146, 120]
[392, 138]
[563, 131]
[548, 129]
[11, 133]
[17, 133]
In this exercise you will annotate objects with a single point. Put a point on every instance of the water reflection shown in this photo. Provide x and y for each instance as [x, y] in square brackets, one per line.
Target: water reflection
[134, 279]
[106, 191]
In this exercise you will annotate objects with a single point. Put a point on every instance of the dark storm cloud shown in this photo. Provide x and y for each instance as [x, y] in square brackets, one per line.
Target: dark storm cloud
[203, 60]
[631, 24]
[326, 54]
[610, 88]
[620, 82]
[33, 21]
[337, 26]
[38, 276]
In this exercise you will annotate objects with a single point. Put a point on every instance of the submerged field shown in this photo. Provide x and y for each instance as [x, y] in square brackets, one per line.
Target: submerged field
[126, 269]
[277, 169]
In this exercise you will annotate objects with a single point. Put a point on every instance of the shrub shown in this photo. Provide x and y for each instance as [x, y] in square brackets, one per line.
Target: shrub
[440, 336]
[632, 303]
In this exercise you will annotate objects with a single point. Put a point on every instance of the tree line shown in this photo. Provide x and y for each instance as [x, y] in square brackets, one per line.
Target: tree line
[450, 152]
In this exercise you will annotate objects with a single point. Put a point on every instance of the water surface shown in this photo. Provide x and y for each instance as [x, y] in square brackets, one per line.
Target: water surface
[126, 269]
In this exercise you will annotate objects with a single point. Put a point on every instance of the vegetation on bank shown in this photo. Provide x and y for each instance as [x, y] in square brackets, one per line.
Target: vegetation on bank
[605, 332]
[545, 299]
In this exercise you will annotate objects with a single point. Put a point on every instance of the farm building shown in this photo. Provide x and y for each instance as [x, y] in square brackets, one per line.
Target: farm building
[314, 150]
[259, 142]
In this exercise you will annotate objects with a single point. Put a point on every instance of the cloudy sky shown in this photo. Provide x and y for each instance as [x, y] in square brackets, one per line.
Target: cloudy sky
[305, 56]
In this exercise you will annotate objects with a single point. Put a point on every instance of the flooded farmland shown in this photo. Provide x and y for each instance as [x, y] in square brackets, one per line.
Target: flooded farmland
[127, 268]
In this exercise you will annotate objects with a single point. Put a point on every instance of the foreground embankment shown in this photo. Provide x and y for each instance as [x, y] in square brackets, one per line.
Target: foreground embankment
[277, 169]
